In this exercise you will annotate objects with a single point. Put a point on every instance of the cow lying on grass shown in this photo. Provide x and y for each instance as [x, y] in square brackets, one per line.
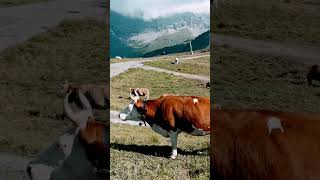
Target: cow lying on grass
[140, 92]
[171, 115]
[98, 95]
[261, 144]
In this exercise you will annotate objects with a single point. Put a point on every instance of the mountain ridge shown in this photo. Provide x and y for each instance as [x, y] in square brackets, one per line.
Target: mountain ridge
[133, 37]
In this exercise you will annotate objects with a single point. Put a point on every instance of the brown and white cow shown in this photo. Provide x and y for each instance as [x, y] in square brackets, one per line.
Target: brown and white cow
[93, 135]
[261, 144]
[171, 115]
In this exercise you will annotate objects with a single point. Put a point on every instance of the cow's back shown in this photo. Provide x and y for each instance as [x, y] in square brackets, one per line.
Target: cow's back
[186, 111]
[243, 148]
[97, 94]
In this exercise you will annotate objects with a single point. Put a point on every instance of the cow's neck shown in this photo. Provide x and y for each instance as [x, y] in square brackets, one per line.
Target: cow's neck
[150, 108]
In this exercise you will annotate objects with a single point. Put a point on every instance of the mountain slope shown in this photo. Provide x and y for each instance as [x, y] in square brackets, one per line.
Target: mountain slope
[201, 42]
[132, 37]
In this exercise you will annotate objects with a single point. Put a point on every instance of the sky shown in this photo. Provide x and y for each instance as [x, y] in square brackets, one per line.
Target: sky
[149, 9]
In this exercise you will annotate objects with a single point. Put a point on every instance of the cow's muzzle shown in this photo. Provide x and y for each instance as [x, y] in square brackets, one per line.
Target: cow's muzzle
[122, 116]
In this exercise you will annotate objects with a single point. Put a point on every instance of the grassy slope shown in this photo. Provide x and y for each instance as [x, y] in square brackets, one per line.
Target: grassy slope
[114, 60]
[157, 83]
[31, 76]
[9, 3]
[140, 153]
[296, 21]
[200, 66]
[254, 81]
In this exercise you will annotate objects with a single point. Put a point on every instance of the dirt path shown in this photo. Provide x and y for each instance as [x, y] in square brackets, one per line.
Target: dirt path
[20, 23]
[117, 68]
[295, 52]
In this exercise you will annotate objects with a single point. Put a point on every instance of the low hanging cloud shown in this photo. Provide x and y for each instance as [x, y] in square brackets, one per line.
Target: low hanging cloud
[150, 9]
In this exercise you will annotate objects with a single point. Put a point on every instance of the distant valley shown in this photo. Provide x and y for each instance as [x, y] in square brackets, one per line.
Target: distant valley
[134, 37]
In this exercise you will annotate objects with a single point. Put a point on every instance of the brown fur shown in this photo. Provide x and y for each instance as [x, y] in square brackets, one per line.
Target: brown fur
[140, 92]
[172, 112]
[93, 139]
[242, 149]
[164, 95]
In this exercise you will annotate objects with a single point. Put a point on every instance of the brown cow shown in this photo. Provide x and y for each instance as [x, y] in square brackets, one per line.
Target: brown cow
[171, 115]
[140, 92]
[97, 94]
[261, 144]
[93, 135]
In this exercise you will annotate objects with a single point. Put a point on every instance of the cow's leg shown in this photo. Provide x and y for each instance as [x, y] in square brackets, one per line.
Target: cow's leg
[174, 139]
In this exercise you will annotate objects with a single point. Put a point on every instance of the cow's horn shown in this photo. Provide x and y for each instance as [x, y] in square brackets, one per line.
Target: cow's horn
[84, 100]
[68, 109]
[133, 98]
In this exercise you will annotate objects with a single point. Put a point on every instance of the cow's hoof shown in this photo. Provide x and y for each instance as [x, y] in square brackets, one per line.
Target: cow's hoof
[173, 157]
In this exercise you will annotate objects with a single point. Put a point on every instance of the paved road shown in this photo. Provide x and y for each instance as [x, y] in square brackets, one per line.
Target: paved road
[18, 24]
[295, 52]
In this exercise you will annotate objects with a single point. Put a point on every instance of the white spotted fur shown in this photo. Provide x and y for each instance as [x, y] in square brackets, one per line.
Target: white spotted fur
[273, 124]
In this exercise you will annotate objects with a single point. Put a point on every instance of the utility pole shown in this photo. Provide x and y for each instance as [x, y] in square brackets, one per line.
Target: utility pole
[191, 47]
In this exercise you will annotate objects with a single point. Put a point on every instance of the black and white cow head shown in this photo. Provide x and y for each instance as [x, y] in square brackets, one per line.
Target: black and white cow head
[131, 111]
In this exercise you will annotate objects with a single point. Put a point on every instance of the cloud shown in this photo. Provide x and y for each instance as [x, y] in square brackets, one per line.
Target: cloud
[149, 9]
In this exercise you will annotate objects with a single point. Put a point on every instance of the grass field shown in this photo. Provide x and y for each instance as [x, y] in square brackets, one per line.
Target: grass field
[9, 3]
[284, 20]
[157, 83]
[140, 153]
[244, 80]
[199, 66]
[114, 60]
[31, 76]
